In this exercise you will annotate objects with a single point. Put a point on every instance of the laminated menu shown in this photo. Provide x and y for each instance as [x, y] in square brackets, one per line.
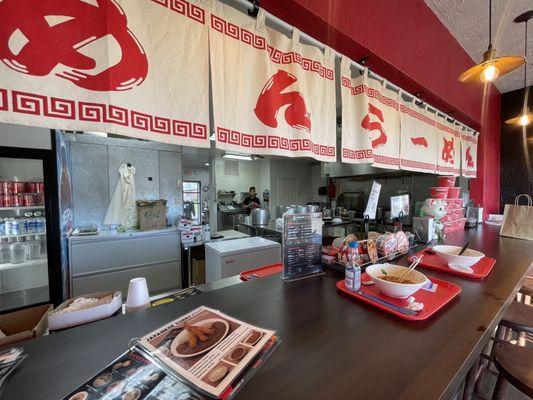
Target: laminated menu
[203, 354]
[302, 245]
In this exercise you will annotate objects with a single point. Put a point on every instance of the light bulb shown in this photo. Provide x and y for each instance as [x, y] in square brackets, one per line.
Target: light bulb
[524, 120]
[489, 73]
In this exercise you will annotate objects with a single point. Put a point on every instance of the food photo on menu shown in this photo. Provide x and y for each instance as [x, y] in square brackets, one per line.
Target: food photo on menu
[206, 348]
[130, 377]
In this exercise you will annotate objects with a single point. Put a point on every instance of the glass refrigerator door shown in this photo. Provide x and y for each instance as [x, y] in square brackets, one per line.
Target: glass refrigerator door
[23, 237]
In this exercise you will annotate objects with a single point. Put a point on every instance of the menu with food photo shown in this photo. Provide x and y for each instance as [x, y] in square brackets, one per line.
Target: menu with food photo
[206, 348]
[130, 377]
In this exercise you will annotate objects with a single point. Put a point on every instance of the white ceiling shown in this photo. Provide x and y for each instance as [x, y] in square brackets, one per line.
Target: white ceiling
[468, 22]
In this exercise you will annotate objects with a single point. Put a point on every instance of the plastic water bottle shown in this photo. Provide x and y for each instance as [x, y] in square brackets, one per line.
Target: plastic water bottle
[15, 227]
[352, 278]
[7, 226]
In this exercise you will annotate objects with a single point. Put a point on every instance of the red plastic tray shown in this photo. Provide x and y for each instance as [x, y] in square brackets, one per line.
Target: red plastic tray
[481, 268]
[433, 301]
[261, 272]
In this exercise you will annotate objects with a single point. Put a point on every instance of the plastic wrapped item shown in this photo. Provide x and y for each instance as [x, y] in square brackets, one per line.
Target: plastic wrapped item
[402, 241]
[387, 244]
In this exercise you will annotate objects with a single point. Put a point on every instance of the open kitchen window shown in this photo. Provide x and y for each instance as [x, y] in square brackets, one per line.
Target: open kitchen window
[192, 200]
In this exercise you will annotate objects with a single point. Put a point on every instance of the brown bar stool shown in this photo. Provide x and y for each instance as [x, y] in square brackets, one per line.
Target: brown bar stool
[515, 365]
[519, 319]
[526, 291]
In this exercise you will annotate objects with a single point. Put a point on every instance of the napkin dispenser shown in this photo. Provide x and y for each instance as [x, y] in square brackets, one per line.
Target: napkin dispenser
[475, 212]
[423, 229]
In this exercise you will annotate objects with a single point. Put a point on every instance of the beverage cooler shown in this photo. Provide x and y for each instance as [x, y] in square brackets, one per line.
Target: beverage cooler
[31, 271]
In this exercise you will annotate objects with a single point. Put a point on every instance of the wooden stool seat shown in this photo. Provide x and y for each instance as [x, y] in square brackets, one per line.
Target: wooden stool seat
[519, 317]
[515, 364]
[527, 287]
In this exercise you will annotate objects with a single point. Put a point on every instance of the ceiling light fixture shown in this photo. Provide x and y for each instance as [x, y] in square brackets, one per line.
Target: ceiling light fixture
[207, 164]
[243, 157]
[525, 117]
[491, 68]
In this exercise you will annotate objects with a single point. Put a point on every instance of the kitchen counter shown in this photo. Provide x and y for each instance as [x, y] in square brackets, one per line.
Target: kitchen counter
[332, 347]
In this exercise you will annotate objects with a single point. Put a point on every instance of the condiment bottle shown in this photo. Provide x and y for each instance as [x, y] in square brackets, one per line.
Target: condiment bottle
[352, 279]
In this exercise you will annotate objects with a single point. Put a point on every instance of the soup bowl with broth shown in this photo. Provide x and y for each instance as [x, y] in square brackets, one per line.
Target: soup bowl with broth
[386, 277]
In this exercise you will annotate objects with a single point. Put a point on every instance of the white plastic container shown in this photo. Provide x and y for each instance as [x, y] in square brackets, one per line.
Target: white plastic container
[5, 253]
[138, 297]
[18, 252]
[33, 244]
[57, 320]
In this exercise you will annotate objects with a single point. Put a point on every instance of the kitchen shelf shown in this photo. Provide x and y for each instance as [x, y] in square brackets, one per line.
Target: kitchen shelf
[23, 235]
[29, 263]
[21, 208]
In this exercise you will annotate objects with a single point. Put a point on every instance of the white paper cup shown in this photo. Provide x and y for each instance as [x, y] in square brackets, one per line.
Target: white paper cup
[137, 294]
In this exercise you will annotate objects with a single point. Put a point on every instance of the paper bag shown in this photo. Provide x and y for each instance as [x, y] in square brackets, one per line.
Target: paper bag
[518, 219]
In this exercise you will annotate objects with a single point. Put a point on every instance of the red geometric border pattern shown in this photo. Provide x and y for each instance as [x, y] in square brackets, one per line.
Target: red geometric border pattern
[379, 159]
[373, 93]
[185, 8]
[260, 43]
[417, 164]
[35, 104]
[454, 133]
[441, 168]
[3, 100]
[272, 142]
[362, 154]
[468, 138]
[416, 115]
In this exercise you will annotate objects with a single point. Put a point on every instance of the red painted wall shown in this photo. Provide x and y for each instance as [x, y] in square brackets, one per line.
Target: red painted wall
[407, 44]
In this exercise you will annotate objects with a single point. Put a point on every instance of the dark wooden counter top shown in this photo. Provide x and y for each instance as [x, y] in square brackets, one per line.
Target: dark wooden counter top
[332, 347]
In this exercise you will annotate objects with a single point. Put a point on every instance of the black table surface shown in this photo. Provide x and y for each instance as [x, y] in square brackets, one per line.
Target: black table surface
[332, 347]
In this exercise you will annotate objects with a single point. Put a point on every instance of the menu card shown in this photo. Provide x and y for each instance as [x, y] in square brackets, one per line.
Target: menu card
[373, 198]
[9, 360]
[399, 204]
[130, 377]
[302, 245]
[204, 354]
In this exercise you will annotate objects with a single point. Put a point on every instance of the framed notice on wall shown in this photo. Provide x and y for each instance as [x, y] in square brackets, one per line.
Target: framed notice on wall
[302, 245]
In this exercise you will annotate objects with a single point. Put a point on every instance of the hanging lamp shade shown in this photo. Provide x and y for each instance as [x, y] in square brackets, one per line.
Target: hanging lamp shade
[522, 120]
[526, 117]
[491, 67]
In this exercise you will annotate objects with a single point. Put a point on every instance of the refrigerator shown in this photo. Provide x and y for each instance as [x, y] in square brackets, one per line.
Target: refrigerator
[231, 257]
[31, 264]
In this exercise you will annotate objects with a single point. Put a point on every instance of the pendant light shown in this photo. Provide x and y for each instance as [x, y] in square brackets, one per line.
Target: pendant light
[526, 117]
[491, 68]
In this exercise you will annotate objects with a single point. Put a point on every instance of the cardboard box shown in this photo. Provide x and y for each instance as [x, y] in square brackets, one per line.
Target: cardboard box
[152, 214]
[74, 318]
[198, 271]
[24, 324]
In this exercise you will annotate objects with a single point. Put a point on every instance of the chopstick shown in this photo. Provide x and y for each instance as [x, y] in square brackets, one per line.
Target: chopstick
[411, 268]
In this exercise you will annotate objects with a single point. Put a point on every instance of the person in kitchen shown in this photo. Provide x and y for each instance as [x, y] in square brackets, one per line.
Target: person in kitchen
[251, 201]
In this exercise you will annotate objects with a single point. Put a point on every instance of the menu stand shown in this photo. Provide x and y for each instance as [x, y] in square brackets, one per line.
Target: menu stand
[302, 246]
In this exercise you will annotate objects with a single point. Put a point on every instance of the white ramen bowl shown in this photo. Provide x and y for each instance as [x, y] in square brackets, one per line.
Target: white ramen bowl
[393, 289]
[450, 255]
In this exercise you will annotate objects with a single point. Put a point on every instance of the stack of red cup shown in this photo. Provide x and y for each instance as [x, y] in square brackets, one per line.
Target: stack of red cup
[447, 191]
